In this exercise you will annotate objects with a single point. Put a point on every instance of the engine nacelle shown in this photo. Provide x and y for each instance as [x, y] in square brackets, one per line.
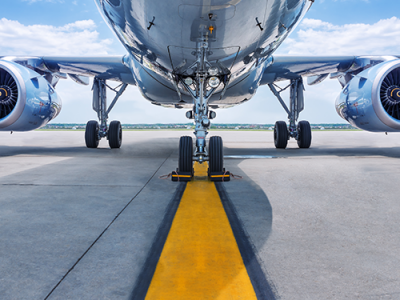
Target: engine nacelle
[27, 100]
[371, 100]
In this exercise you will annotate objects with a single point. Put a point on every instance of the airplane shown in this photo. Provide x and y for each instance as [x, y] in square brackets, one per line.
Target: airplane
[201, 55]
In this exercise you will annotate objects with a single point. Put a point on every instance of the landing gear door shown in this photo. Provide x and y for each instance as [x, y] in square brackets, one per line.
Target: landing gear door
[183, 60]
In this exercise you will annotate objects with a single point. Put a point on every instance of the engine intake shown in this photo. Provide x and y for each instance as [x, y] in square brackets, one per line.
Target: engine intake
[390, 93]
[27, 100]
[8, 93]
[371, 100]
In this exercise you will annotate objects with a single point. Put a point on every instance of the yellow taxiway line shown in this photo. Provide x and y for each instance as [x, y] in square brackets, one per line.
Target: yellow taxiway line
[200, 259]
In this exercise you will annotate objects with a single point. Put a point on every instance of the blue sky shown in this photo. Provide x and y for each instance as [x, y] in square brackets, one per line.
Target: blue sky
[67, 27]
[342, 12]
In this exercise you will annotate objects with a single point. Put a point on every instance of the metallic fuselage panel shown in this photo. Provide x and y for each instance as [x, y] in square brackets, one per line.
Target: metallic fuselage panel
[159, 34]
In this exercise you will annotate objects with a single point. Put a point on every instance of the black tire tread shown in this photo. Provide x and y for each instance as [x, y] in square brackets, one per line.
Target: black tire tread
[115, 135]
[281, 135]
[185, 154]
[304, 134]
[216, 154]
[91, 134]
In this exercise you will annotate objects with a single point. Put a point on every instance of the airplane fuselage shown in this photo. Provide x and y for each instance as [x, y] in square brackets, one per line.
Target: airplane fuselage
[161, 37]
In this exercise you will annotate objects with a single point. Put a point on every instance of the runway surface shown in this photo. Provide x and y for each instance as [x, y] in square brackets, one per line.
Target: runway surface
[79, 223]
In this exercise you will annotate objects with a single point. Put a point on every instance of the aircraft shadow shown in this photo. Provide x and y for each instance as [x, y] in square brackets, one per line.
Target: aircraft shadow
[393, 152]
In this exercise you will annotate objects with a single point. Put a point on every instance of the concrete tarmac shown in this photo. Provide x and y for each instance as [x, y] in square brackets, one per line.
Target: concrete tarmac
[78, 223]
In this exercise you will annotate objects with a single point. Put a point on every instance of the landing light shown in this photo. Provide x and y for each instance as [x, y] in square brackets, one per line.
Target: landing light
[214, 82]
[213, 71]
[188, 80]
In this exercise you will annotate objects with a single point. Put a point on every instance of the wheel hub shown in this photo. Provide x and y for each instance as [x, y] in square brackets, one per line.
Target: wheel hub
[5, 94]
[393, 94]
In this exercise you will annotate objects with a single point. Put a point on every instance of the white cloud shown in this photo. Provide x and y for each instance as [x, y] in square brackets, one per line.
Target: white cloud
[78, 38]
[316, 37]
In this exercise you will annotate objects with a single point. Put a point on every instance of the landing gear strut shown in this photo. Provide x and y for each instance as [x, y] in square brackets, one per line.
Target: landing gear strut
[301, 131]
[94, 131]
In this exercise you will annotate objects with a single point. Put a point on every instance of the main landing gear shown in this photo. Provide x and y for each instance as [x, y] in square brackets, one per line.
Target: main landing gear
[201, 80]
[300, 131]
[94, 131]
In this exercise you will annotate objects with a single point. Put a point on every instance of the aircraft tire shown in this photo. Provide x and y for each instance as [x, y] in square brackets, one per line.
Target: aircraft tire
[304, 135]
[185, 154]
[216, 154]
[92, 134]
[115, 135]
[281, 135]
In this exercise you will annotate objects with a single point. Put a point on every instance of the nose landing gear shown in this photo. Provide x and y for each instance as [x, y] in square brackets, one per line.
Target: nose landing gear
[201, 80]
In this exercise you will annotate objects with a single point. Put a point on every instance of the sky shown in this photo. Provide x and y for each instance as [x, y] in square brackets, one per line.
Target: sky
[76, 28]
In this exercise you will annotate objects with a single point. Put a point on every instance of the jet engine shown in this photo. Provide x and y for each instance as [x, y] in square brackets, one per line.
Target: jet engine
[27, 100]
[371, 99]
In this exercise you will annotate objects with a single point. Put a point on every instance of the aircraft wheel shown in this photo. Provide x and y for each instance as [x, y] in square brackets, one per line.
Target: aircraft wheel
[185, 154]
[115, 134]
[304, 134]
[281, 135]
[92, 134]
[216, 154]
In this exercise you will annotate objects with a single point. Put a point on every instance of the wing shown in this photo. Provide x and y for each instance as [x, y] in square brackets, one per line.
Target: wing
[317, 69]
[30, 100]
[79, 68]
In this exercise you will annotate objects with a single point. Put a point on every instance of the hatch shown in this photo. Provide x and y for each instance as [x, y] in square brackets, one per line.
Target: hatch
[220, 12]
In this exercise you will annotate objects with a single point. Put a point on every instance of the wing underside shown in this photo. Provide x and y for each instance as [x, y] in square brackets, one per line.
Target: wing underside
[79, 68]
[316, 69]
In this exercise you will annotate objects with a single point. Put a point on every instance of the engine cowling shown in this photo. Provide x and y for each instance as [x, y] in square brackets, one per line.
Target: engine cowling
[27, 100]
[371, 100]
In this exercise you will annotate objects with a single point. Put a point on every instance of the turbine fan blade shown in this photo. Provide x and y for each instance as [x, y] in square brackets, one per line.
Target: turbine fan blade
[9, 97]
[391, 103]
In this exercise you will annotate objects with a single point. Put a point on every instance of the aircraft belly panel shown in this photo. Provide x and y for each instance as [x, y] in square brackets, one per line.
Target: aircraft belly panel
[162, 34]
[235, 25]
